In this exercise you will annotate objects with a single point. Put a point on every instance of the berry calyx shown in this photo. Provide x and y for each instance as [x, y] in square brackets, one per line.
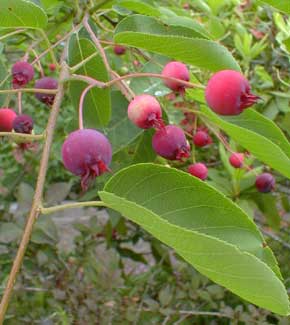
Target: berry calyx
[119, 50]
[145, 112]
[198, 170]
[176, 70]
[7, 116]
[86, 153]
[265, 183]
[201, 139]
[170, 143]
[46, 83]
[237, 159]
[228, 92]
[22, 73]
[23, 124]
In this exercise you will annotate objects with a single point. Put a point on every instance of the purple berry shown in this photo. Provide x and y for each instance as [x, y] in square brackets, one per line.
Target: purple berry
[119, 50]
[176, 70]
[46, 83]
[86, 153]
[23, 124]
[170, 142]
[22, 73]
[201, 139]
[198, 170]
[265, 182]
[237, 159]
[228, 92]
[145, 112]
[7, 116]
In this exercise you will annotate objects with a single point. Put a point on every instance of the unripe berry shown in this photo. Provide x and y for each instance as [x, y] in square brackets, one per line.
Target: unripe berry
[145, 112]
[202, 139]
[228, 93]
[198, 170]
[86, 153]
[46, 83]
[23, 124]
[237, 159]
[7, 116]
[170, 142]
[176, 70]
[119, 50]
[265, 183]
[52, 67]
[22, 73]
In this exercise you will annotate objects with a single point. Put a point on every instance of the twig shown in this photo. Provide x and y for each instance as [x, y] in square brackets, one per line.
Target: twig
[28, 90]
[35, 208]
[22, 136]
[71, 206]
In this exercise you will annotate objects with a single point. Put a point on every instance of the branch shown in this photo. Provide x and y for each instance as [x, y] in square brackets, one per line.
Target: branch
[22, 136]
[35, 208]
[28, 90]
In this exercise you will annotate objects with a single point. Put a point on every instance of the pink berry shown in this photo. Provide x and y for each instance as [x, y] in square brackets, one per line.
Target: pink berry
[52, 67]
[145, 112]
[46, 83]
[198, 170]
[237, 159]
[86, 153]
[23, 124]
[228, 93]
[170, 142]
[119, 50]
[22, 73]
[265, 183]
[7, 116]
[176, 70]
[201, 139]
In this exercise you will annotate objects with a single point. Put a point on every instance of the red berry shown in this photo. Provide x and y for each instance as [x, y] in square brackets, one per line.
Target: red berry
[119, 50]
[52, 67]
[201, 139]
[228, 93]
[198, 170]
[176, 70]
[265, 183]
[170, 143]
[23, 124]
[22, 73]
[145, 112]
[237, 159]
[7, 116]
[46, 83]
[86, 153]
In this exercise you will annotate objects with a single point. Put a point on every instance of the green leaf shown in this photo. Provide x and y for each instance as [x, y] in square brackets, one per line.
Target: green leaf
[140, 7]
[9, 232]
[144, 151]
[21, 13]
[282, 5]
[97, 104]
[204, 227]
[257, 134]
[175, 42]
[121, 131]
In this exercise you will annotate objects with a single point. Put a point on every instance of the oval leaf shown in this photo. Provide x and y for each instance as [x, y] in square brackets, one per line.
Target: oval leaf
[97, 104]
[175, 42]
[257, 134]
[204, 227]
[283, 5]
[21, 13]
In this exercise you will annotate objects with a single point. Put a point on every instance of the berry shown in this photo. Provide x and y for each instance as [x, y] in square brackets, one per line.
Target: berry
[52, 67]
[86, 153]
[176, 70]
[265, 183]
[7, 116]
[119, 50]
[22, 73]
[145, 112]
[170, 143]
[23, 124]
[229, 93]
[46, 83]
[201, 139]
[198, 170]
[236, 159]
